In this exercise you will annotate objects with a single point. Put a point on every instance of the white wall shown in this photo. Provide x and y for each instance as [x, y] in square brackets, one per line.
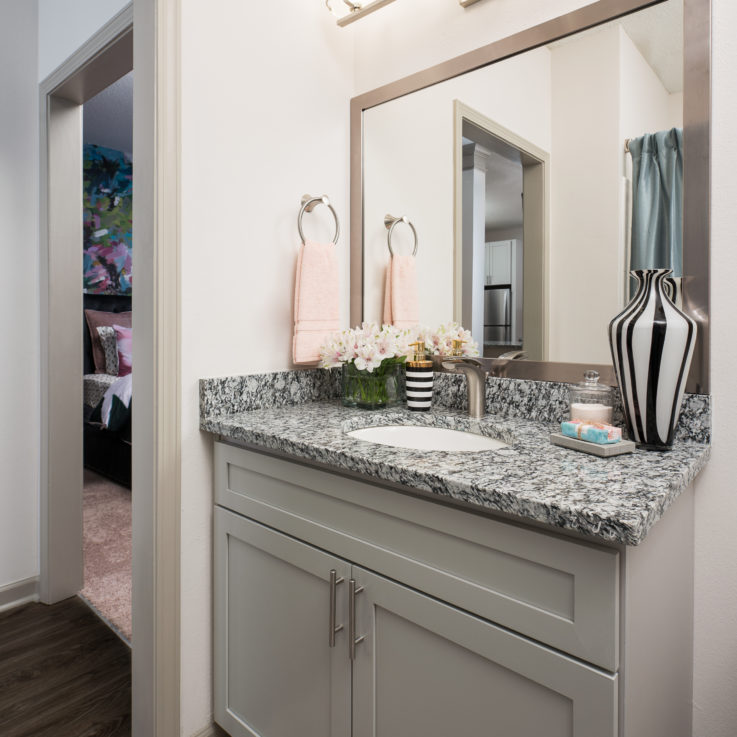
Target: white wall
[408, 169]
[584, 202]
[64, 25]
[715, 676]
[19, 278]
[265, 119]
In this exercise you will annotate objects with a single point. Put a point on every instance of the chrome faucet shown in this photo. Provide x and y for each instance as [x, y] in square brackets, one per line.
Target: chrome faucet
[475, 373]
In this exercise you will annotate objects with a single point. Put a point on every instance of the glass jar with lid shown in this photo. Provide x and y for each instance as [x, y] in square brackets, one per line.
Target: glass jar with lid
[591, 401]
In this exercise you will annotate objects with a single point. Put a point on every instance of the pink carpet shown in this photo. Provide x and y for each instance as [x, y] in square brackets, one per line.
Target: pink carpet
[107, 550]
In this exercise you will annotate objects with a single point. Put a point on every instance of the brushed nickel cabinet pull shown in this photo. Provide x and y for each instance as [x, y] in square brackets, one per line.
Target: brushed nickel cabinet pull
[334, 581]
[352, 639]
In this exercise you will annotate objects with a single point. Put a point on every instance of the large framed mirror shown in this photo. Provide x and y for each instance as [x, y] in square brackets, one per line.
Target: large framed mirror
[512, 164]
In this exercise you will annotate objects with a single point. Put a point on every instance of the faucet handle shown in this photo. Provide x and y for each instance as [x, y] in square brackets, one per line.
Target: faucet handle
[458, 347]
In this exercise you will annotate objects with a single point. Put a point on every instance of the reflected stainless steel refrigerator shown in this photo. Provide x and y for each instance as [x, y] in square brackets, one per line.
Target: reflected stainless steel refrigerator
[498, 314]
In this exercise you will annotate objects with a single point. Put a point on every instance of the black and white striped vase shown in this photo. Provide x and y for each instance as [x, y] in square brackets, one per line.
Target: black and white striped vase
[419, 386]
[652, 343]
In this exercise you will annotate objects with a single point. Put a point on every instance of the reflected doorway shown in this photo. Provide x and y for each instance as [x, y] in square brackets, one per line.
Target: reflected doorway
[501, 282]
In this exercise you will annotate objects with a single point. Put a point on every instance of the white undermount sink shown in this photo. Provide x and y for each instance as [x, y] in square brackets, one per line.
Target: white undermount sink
[426, 438]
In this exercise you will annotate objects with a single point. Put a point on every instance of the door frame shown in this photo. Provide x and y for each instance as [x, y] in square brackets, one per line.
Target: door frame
[154, 53]
[536, 175]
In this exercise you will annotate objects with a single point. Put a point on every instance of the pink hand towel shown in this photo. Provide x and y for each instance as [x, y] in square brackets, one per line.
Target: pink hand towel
[316, 300]
[401, 301]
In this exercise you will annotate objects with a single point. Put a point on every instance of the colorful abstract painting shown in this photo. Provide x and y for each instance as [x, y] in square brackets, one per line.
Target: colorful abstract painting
[108, 219]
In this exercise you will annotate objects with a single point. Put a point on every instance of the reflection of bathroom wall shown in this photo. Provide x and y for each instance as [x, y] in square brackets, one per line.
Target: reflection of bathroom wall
[603, 92]
[584, 196]
[409, 169]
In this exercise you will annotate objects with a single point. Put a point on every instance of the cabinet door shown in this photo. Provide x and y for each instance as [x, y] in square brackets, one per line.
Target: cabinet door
[426, 669]
[276, 674]
[501, 262]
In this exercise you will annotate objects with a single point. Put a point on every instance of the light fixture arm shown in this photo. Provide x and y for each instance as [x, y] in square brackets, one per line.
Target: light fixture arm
[353, 5]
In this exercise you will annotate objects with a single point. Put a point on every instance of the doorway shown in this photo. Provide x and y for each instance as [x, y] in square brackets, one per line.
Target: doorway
[501, 237]
[104, 58]
[107, 293]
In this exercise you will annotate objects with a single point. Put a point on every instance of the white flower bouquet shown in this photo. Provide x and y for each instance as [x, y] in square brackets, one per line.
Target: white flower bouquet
[439, 342]
[372, 358]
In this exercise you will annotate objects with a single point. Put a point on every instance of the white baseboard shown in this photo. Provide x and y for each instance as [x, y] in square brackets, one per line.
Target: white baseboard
[20, 592]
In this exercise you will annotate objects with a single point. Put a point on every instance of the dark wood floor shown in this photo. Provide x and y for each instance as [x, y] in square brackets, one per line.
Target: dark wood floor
[63, 673]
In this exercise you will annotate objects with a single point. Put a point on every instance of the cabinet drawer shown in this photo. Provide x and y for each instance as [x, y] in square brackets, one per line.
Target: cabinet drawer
[562, 592]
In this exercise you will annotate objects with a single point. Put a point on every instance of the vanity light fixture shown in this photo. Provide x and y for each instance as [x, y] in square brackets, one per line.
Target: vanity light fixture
[356, 10]
[466, 3]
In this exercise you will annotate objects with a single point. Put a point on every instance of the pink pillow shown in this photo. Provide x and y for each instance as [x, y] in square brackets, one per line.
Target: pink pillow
[100, 318]
[124, 336]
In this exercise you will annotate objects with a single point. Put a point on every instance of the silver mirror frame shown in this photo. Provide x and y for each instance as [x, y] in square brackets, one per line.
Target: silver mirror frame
[697, 164]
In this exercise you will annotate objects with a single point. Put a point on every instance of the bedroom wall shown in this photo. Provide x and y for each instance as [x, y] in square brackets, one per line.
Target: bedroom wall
[19, 295]
[64, 26]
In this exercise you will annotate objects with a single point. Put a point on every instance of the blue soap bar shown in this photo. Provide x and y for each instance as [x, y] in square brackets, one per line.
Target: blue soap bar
[592, 432]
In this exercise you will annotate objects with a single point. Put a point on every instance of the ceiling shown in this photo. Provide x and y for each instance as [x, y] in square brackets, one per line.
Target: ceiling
[108, 117]
[657, 32]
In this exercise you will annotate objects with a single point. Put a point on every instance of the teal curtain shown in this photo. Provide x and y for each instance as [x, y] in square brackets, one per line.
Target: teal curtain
[657, 201]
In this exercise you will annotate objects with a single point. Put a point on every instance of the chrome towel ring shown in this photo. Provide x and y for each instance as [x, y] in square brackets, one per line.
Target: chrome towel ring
[390, 222]
[309, 203]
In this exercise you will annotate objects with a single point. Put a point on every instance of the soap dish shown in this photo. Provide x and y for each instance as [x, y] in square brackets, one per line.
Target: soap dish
[605, 451]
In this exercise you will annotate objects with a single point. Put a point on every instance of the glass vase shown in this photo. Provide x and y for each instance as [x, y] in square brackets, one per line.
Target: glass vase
[377, 389]
[652, 343]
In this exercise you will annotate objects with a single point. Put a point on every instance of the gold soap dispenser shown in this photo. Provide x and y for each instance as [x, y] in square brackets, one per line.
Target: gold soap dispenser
[419, 379]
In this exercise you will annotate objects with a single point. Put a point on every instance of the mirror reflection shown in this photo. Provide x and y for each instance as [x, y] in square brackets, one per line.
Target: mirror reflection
[528, 208]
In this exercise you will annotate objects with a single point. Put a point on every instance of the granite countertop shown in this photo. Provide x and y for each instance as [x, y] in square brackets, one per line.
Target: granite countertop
[614, 499]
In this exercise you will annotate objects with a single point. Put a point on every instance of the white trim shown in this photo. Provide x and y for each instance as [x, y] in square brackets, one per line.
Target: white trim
[20, 592]
[117, 26]
[156, 350]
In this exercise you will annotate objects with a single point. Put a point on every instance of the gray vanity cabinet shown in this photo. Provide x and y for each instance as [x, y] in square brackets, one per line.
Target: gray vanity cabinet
[419, 667]
[430, 657]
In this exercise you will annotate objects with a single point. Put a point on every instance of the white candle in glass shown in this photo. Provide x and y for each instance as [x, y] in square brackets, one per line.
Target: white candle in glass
[590, 412]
